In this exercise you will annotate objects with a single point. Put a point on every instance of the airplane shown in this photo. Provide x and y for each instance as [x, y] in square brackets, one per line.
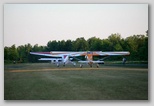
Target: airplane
[65, 57]
[56, 57]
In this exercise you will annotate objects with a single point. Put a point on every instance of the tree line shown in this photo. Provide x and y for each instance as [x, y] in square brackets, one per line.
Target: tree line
[137, 45]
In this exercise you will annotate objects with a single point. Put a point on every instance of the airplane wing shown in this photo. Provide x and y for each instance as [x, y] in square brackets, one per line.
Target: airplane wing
[50, 59]
[75, 54]
[69, 53]
[45, 54]
[122, 53]
[99, 53]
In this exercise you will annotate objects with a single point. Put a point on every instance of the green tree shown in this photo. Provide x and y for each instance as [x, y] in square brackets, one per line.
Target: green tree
[138, 47]
[115, 42]
[80, 44]
[6, 51]
[52, 46]
[24, 51]
[68, 45]
[10, 53]
[61, 46]
[95, 44]
[107, 45]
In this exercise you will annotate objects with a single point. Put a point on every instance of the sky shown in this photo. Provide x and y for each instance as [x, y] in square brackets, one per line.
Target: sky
[40, 23]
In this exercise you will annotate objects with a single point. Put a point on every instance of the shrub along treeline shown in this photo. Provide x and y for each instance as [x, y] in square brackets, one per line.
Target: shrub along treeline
[137, 45]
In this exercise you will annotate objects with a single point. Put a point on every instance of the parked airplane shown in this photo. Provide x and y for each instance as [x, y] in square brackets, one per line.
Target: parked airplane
[66, 57]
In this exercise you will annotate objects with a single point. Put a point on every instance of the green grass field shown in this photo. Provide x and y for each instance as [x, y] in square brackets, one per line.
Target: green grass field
[44, 81]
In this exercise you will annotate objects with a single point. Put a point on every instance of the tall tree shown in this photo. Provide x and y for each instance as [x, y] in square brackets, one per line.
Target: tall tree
[137, 45]
[22, 53]
[95, 44]
[52, 45]
[115, 42]
[62, 46]
[6, 53]
[107, 45]
[12, 53]
[80, 44]
[68, 45]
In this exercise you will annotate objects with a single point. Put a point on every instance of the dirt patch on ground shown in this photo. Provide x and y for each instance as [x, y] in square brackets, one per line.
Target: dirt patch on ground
[79, 69]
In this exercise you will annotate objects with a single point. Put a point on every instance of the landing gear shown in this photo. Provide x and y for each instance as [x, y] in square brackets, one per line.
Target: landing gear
[123, 61]
[57, 64]
[64, 64]
[74, 64]
[81, 65]
[90, 64]
[97, 65]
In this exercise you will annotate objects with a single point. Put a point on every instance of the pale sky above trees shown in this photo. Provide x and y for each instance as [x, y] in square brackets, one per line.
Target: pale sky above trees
[40, 23]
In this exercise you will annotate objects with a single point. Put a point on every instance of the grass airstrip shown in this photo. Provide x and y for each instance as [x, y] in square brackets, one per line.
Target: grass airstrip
[44, 81]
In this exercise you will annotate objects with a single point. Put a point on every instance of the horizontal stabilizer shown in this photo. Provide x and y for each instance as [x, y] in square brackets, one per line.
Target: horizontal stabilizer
[83, 61]
[98, 62]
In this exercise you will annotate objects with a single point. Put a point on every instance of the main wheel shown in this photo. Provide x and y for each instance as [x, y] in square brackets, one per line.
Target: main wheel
[81, 65]
[57, 65]
[97, 65]
[74, 64]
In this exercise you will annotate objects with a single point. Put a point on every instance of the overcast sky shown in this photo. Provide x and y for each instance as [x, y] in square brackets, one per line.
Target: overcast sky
[40, 23]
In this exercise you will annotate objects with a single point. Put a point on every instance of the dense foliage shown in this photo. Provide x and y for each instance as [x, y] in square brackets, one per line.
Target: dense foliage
[137, 45]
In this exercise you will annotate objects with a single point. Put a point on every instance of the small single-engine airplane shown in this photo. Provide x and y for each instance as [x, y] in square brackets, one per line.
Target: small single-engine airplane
[65, 57]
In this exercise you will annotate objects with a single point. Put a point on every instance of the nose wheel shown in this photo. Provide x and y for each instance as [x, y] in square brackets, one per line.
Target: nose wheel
[58, 65]
[74, 64]
[81, 65]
